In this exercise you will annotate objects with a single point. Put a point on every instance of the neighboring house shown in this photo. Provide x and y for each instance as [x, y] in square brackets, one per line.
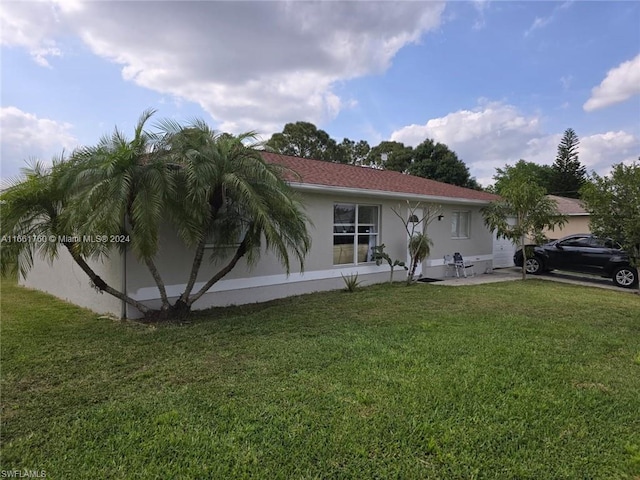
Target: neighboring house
[350, 209]
[577, 218]
[577, 222]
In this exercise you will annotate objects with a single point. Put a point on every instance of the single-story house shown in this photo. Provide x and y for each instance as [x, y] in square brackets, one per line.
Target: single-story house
[351, 209]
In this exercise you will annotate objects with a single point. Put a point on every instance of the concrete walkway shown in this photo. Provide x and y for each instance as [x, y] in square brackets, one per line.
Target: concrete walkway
[514, 273]
[497, 275]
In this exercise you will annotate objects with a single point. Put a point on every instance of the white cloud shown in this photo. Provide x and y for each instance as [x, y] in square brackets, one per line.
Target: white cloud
[495, 134]
[620, 84]
[480, 6]
[251, 65]
[26, 136]
[485, 138]
[33, 26]
[541, 22]
[599, 151]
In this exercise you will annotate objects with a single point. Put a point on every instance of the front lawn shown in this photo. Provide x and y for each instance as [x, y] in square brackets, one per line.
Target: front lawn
[515, 380]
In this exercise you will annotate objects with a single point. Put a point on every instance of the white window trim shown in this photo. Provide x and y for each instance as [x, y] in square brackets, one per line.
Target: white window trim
[356, 234]
[457, 214]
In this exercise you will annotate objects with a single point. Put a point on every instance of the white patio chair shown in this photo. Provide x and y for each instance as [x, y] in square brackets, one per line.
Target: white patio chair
[450, 266]
[462, 265]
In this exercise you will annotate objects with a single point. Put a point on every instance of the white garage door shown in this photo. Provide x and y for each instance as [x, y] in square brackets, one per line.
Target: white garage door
[503, 251]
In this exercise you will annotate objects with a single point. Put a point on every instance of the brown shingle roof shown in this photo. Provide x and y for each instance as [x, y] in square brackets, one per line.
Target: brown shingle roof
[316, 172]
[569, 206]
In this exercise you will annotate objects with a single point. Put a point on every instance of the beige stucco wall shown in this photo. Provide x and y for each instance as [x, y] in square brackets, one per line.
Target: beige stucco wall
[575, 224]
[477, 249]
[64, 279]
[268, 280]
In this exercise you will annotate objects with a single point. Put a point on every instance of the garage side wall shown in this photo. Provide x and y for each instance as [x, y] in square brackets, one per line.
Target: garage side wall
[64, 279]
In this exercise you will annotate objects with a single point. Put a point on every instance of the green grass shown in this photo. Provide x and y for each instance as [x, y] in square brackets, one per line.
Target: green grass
[533, 380]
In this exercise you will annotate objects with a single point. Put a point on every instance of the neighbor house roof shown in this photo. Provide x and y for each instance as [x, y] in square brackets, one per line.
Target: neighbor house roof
[353, 178]
[569, 206]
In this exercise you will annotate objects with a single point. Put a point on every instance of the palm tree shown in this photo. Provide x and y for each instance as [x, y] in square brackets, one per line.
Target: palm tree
[35, 220]
[228, 195]
[211, 187]
[122, 187]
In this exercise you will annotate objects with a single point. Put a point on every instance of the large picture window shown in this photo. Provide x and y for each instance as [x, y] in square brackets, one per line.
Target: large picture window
[460, 224]
[355, 233]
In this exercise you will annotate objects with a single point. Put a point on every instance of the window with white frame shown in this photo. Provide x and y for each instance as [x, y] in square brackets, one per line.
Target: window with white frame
[355, 233]
[460, 224]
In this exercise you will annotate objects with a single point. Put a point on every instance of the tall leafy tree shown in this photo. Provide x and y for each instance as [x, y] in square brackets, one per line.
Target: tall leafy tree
[437, 162]
[522, 213]
[569, 175]
[538, 174]
[305, 140]
[354, 153]
[390, 155]
[613, 203]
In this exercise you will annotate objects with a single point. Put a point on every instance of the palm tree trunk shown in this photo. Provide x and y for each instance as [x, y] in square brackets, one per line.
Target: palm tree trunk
[215, 205]
[242, 249]
[195, 268]
[152, 268]
[159, 283]
[100, 283]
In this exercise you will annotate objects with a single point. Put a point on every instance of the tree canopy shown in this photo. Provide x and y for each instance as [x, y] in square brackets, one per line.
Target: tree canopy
[390, 155]
[354, 153]
[613, 203]
[305, 140]
[429, 159]
[569, 175]
[438, 162]
[538, 174]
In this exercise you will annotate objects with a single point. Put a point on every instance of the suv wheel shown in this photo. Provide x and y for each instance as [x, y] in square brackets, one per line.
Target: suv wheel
[533, 265]
[626, 277]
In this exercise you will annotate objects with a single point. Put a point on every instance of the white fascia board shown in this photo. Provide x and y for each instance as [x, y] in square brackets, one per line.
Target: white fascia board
[361, 192]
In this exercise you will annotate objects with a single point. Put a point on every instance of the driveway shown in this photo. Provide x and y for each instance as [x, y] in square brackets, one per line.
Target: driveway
[514, 273]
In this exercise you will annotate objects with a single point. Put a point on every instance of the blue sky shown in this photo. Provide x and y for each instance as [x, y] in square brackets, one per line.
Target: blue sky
[496, 81]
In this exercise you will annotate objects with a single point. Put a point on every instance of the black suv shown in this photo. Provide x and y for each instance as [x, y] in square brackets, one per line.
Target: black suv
[582, 253]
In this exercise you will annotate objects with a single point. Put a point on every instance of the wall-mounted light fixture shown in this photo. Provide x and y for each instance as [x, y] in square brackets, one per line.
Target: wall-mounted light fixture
[440, 217]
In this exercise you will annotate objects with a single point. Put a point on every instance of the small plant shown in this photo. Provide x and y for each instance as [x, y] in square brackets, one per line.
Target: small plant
[351, 282]
[379, 255]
